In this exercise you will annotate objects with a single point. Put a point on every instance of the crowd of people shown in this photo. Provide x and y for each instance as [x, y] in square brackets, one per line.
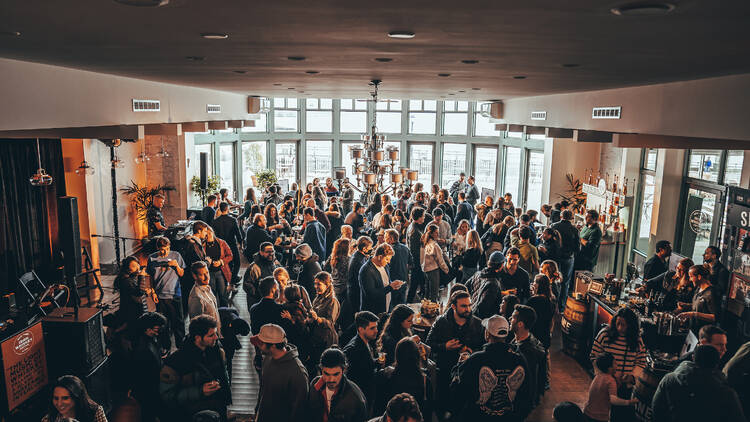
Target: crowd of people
[328, 288]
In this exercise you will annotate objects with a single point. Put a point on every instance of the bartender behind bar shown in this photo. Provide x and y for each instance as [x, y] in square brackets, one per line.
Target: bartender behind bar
[659, 263]
[154, 217]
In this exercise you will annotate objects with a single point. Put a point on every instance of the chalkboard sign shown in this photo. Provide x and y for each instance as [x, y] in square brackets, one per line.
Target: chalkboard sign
[24, 365]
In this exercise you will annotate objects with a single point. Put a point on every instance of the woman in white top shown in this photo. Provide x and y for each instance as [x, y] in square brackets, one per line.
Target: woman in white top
[432, 261]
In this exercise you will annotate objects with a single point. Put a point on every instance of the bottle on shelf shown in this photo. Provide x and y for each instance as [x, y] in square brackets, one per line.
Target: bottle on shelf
[617, 199]
[614, 186]
[625, 188]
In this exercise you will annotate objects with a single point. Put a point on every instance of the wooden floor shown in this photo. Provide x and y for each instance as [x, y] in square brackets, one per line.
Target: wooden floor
[569, 381]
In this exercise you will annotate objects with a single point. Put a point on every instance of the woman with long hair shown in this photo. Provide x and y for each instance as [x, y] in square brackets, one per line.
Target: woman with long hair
[551, 270]
[623, 341]
[338, 265]
[432, 262]
[397, 326]
[128, 282]
[482, 211]
[472, 255]
[374, 207]
[336, 220]
[281, 275]
[321, 199]
[71, 401]
[434, 191]
[670, 288]
[405, 376]
[249, 202]
[542, 300]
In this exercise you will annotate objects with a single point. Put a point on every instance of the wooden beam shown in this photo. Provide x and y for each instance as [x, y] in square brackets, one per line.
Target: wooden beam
[236, 124]
[217, 125]
[591, 136]
[642, 140]
[173, 129]
[195, 127]
[555, 132]
[535, 130]
[89, 132]
[515, 128]
[501, 127]
[249, 123]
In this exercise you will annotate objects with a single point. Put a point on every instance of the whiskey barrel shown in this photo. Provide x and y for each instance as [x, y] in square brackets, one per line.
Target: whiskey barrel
[645, 387]
[574, 325]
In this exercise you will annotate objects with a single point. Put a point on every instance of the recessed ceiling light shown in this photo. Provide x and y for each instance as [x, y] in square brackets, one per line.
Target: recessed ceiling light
[451, 93]
[214, 35]
[461, 91]
[470, 61]
[494, 100]
[144, 3]
[570, 65]
[277, 84]
[444, 75]
[519, 77]
[476, 89]
[383, 59]
[296, 58]
[10, 33]
[643, 9]
[291, 88]
[402, 35]
[241, 72]
[195, 58]
[312, 72]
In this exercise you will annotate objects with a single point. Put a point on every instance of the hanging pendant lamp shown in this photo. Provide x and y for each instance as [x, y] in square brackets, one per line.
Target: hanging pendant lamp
[40, 178]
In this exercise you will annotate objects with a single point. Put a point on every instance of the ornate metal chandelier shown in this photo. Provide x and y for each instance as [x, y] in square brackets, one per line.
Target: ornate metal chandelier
[375, 168]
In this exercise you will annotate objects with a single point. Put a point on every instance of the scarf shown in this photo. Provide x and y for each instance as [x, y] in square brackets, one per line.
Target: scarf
[207, 298]
[323, 304]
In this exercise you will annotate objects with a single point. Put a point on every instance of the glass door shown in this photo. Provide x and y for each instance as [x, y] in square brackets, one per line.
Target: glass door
[534, 176]
[702, 214]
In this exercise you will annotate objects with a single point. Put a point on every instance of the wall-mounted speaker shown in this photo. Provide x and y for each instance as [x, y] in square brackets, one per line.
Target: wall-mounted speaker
[204, 170]
[70, 235]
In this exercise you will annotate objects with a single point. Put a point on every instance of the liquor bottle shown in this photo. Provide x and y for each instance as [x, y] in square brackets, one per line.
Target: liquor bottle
[614, 186]
[625, 188]
[611, 208]
[591, 176]
[617, 199]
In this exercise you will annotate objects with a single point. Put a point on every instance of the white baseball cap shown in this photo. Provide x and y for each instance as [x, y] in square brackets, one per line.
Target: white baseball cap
[497, 326]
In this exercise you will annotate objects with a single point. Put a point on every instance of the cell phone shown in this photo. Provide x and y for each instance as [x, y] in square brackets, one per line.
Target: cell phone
[160, 264]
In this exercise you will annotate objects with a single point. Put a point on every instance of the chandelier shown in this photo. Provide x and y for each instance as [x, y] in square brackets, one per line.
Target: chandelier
[375, 168]
[40, 178]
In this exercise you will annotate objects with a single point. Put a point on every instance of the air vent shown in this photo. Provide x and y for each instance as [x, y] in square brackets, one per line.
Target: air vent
[146, 105]
[538, 115]
[606, 112]
[213, 108]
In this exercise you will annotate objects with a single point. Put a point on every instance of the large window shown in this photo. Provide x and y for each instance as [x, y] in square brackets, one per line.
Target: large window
[534, 180]
[319, 159]
[319, 115]
[353, 116]
[261, 125]
[346, 158]
[422, 116]
[648, 187]
[699, 228]
[286, 161]
[733, 170]
[285, 115]
[455, 117]
[649, 162]
[389, 116]
[454, 163]
[482, 125]
[253, 160]
[512, 176]
[705, 164]
[485, 167]
[226, 166]
[208, 149]
[420, 159]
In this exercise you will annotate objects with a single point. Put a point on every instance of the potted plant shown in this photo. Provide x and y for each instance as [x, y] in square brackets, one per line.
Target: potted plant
[141, 197]
[266, 178]
[212, 185]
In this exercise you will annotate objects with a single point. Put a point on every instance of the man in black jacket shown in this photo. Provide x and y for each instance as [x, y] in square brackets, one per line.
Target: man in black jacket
[531, 349]
[571, 244]
[513, 277]
[485, 287]
[659, 263]
[209, 211]
[194, 378]
[374, 282]
[332, 397]
[226, 228]
[464, 211]
[256, 234]
[472, 192]
[147, 364]
[362, 364]
[308, 266]
[719, 273]
[357, 260]
[262, 266]
[454, 332]
[267, 311]
[414, 238]
[492, 384]
[355, 219]
[192, 253]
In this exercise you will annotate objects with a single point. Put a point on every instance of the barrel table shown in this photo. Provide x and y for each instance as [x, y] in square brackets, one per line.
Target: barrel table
[574, 325]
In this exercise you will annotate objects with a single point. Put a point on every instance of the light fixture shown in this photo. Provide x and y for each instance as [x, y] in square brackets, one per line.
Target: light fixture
[265, 105]
[162, 152]
[471, 61]
[371, 163]
[444, 75]
[296, 58]
[383, 59]
[570, 65]
[40, 178]
[312, 72]
[241, 72]
[195, 58]
[116, 162]
[519, 77]
[10, 33]
[142, 157]
[85, 169]
[476, 89]
[214, 36]
[401, 35]
[144, 3]
[643, 8]
[277, 84]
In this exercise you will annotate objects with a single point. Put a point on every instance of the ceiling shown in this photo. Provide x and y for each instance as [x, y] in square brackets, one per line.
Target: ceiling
[341, 41]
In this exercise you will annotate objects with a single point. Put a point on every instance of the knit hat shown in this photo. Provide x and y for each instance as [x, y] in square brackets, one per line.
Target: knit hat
[496, 259]
[303, 251]
[269, 333]
[706, 356]
[497, 326]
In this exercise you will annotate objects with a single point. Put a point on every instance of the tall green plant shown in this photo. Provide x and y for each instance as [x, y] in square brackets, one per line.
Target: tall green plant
[212, 185]
[142, 197]
[266, 178]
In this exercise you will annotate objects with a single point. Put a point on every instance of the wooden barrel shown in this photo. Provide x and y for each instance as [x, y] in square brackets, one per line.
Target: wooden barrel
[645, 387]
[573, 325]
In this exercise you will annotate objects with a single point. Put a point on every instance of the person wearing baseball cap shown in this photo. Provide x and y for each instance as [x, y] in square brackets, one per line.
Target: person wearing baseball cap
[284, 381]
[310, 266]
[492, 384]
[485, 287]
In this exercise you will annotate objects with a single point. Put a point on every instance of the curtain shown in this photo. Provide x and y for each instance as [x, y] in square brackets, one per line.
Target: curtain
[28, 214]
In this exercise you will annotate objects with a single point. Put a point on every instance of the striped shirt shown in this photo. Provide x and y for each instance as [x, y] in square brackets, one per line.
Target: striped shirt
[626, 359]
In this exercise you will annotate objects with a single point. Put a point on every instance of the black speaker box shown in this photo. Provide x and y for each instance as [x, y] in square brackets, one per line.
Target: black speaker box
[70, 234]
[98, 384]
[74, 345]
[204, 170]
